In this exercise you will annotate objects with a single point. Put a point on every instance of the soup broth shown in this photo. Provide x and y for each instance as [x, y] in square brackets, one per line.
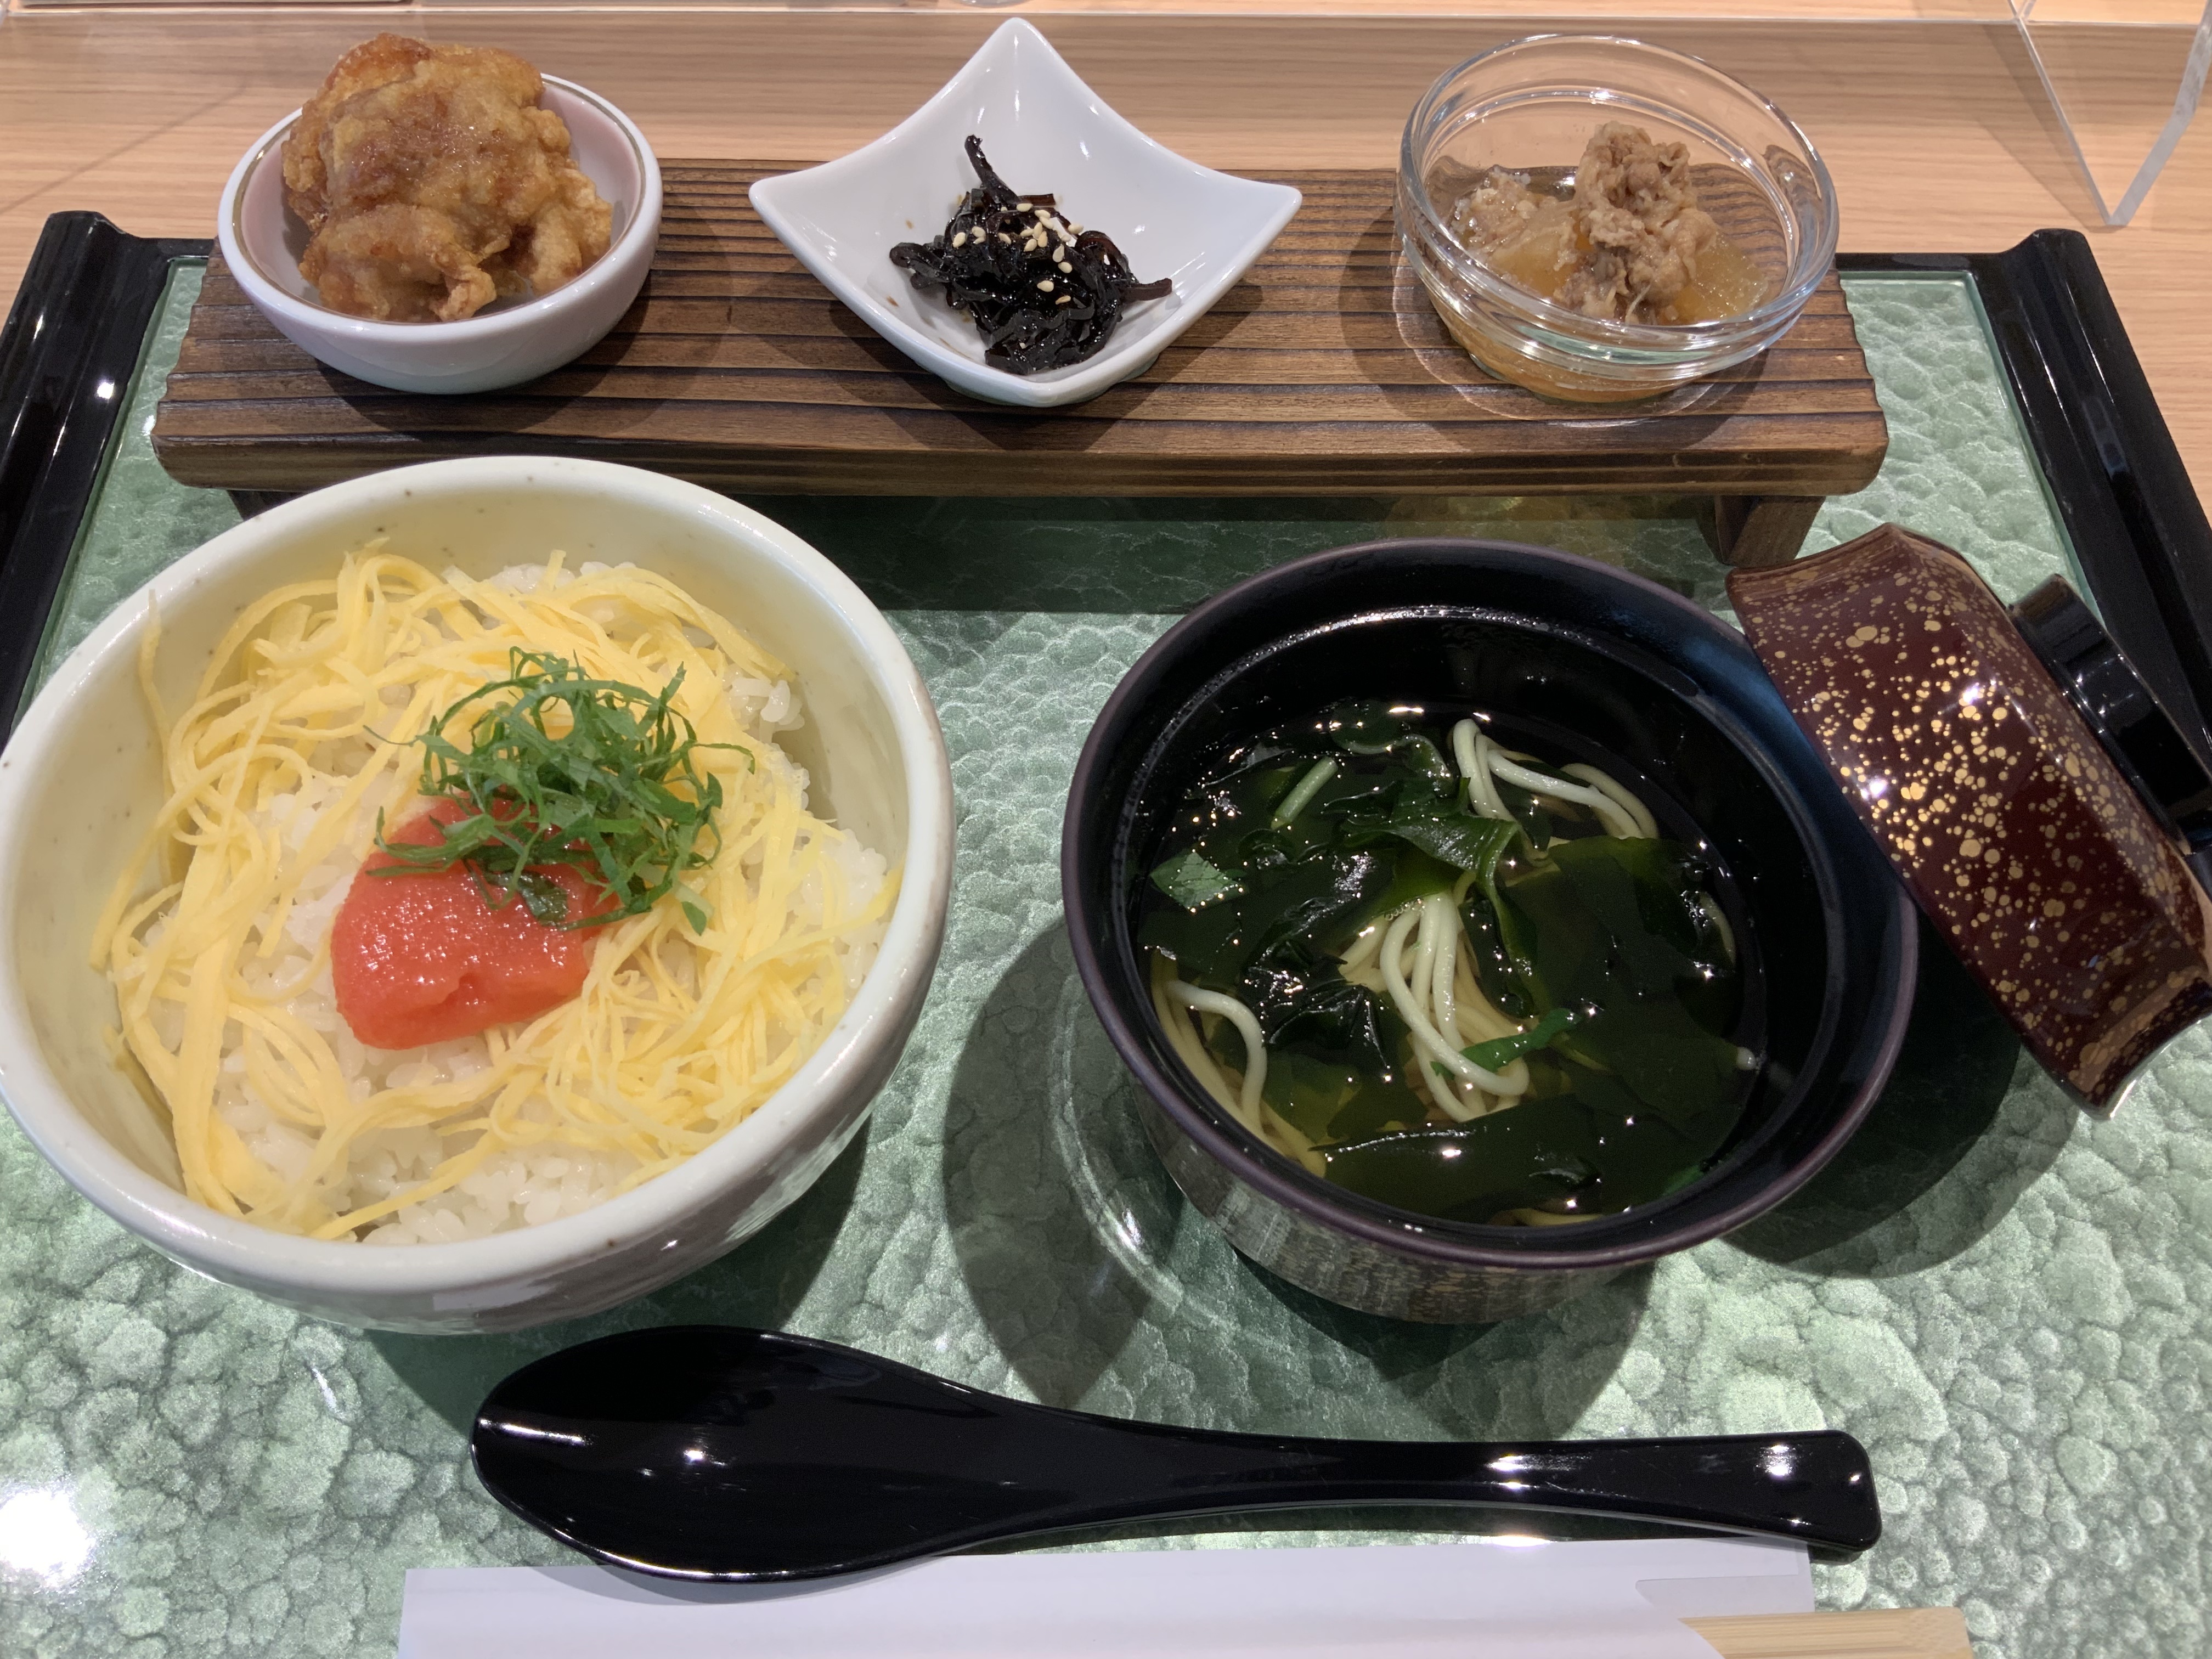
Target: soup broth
[1453, 974]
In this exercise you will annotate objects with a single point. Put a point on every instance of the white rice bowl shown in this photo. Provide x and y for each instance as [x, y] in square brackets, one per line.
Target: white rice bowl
[84, 771]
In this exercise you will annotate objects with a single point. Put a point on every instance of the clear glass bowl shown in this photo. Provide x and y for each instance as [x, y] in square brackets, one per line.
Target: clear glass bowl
[1530, 106]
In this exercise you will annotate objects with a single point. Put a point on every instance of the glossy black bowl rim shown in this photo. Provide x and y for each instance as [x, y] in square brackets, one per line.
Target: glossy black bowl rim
[1306, 1195]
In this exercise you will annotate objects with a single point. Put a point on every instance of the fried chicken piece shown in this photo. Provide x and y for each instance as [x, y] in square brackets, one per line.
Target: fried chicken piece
[434, 184]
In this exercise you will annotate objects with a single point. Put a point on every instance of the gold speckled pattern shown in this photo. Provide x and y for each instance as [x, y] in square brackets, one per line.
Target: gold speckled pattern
[2016, 833]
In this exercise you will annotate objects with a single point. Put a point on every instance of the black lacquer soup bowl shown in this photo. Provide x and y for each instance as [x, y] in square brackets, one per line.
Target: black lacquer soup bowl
[1661, 694]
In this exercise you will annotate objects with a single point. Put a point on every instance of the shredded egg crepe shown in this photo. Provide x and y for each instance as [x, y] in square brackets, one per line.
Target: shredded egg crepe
[217, 938]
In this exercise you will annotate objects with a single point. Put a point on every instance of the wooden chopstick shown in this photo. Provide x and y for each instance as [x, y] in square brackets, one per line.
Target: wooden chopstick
[1880, 1633]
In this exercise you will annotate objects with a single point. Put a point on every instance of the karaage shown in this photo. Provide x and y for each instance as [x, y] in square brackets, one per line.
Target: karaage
[432, 183]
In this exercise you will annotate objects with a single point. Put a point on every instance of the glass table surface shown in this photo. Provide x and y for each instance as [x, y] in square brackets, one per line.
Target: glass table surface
[1998, 1294]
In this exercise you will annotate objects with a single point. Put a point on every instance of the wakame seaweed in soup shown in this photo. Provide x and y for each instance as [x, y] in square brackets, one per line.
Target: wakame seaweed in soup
[1451, 975]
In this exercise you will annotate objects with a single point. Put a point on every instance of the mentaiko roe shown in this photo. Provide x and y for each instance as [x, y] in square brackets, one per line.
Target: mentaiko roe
[423, 957]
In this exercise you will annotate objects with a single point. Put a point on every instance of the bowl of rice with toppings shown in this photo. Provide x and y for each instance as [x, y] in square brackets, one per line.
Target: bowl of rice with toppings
[470, 896]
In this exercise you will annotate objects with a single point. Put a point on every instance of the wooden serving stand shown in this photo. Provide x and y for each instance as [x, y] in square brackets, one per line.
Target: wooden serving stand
[1325, 372]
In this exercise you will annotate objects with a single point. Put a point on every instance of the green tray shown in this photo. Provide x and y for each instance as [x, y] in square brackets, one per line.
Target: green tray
[1998, 1296]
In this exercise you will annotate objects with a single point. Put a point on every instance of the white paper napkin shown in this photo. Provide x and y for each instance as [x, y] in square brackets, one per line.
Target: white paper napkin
[1517, 1599]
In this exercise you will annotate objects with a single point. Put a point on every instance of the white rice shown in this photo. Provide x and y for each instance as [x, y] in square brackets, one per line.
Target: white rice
[511, 1190]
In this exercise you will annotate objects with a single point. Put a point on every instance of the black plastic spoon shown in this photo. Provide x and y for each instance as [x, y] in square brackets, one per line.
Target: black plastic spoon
[703, 1451]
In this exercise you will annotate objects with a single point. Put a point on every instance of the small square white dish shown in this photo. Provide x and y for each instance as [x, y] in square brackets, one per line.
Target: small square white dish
[1043, 129]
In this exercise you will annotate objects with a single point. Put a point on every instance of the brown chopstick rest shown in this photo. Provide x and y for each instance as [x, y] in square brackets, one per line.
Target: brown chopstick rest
[2048, 875]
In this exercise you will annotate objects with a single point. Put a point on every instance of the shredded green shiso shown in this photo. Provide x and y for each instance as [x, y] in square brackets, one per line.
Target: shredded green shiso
[618, 795]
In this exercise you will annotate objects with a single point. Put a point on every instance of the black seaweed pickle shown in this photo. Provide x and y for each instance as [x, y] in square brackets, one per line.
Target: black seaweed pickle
[999, 275]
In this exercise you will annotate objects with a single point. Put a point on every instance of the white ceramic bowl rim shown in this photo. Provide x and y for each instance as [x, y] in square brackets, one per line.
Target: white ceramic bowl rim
[1566, 325]
[266, 294]
[201, 1235]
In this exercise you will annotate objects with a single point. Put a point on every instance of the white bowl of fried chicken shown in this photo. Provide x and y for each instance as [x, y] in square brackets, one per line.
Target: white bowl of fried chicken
[443, 219]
